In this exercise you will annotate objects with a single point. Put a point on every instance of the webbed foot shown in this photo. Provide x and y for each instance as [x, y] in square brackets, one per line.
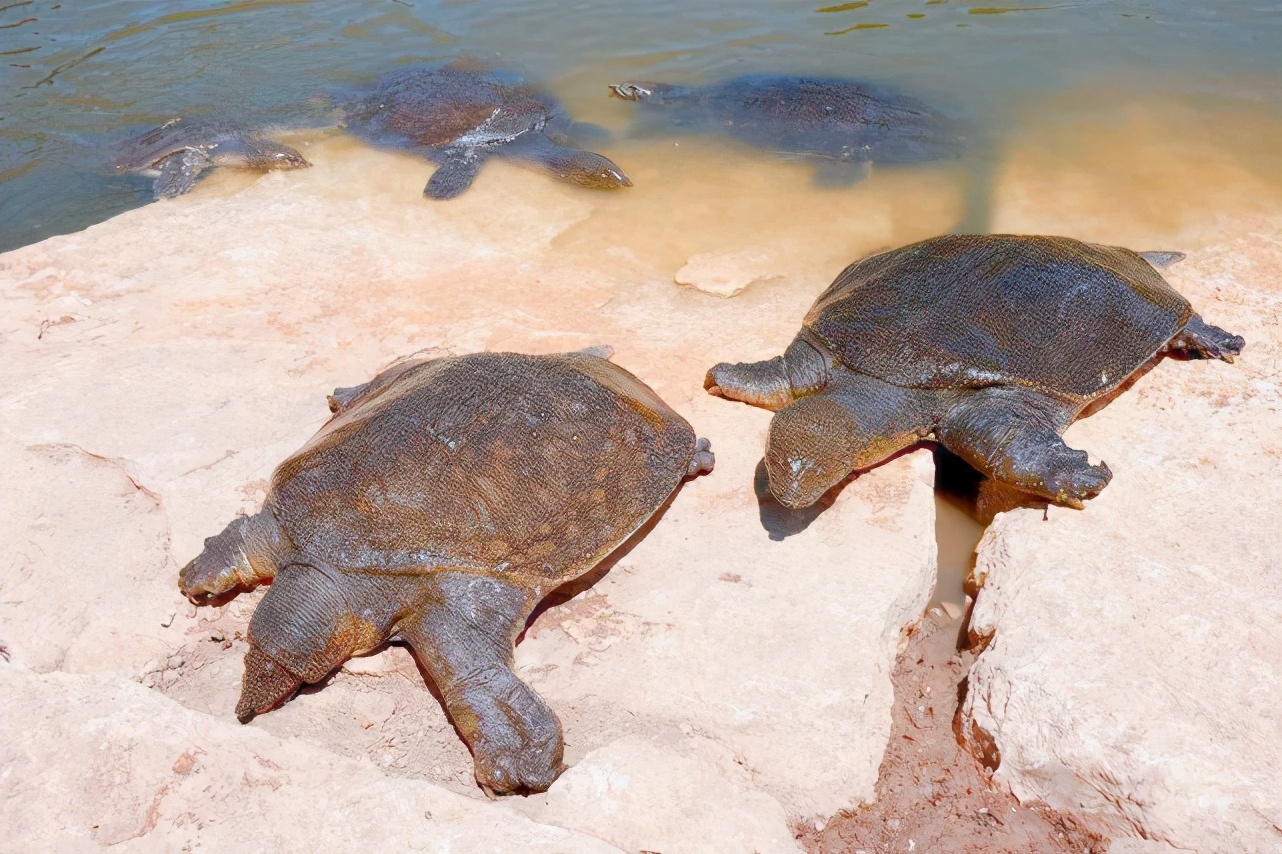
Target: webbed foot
[1012, 435]
[1074, 481]
[463, 636]
[242, 555]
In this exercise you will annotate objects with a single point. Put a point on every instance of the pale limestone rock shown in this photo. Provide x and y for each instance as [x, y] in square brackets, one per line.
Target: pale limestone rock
[725, 274]
[162, 363]
[1135, 671]
[678, 795]
[95, 761]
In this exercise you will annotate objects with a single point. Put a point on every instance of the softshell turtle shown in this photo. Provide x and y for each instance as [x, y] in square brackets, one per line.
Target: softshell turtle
[993, 345]
[442, 501]
[178, 151]
[833, 121]
[462, 114]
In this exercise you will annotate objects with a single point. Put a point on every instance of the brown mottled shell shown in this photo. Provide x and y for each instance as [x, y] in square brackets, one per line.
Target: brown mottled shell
[527, 467]
[453, 105]
[1070, 318]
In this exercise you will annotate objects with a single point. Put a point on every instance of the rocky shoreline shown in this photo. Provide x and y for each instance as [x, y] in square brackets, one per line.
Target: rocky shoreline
[725, 681]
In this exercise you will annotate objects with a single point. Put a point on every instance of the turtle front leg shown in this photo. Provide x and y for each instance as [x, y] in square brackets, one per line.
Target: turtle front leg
[1200, 340]
[456, 172]
[463, 637]
[245, 554]
[178, 173]
[774, 383]
[1013, 435]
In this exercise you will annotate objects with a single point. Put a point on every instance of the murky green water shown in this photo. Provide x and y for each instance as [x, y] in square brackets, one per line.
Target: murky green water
[80, 75]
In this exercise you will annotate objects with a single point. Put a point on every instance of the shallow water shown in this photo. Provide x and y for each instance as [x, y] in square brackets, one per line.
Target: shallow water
[1170, 109]
[78, 76]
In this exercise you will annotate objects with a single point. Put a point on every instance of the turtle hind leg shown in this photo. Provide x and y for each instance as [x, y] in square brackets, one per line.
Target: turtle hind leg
[463, 636]
[1013, 435]
[178, 173]
[245, 554]
[1162, 260]
[455, 174]
[1200, 340]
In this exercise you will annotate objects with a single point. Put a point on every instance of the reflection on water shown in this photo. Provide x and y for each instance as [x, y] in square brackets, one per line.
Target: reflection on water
[79, 76]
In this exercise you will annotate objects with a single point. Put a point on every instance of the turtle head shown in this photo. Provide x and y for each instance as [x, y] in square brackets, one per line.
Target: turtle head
[268, 155]
[585, 168]
[812, 447]
[642, 91]
[818, 440]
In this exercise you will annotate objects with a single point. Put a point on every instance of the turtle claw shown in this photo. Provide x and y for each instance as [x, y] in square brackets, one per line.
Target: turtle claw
[1079, 485]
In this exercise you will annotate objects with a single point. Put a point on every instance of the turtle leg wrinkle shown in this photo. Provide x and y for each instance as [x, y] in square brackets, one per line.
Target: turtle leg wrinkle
[1200, 340]
[1013, 435]
[464, 637]
[244, 555]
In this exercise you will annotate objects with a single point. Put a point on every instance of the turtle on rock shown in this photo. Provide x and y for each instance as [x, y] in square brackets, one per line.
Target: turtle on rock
[439, 505]
[462, 114]
[841, 125]
[991, 345]
[177, 152]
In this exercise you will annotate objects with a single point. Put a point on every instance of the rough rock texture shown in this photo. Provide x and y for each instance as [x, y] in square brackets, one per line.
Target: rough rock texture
[99, 759]
[931, 794]
[1134, 672]
[156, 367]
[725, 275]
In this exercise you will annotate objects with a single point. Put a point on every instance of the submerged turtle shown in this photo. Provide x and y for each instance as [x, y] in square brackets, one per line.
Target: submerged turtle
[460, 115]
[178, 151]
[442, 501]
[992, 345]
[836, 122]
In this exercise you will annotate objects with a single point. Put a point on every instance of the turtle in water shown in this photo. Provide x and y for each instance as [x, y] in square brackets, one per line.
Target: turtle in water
[178, 151]
[992, 345]
[442, 501]
[842, 125]
[462, 114]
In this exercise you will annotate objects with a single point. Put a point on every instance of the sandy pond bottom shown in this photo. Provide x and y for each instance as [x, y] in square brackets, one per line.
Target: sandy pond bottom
[726, 686]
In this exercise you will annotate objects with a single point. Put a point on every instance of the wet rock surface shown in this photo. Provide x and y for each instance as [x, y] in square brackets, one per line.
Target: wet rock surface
[1130, 667]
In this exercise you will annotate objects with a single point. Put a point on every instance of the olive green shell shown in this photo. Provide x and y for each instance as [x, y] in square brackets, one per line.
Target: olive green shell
[1070, 318]
[530, 468]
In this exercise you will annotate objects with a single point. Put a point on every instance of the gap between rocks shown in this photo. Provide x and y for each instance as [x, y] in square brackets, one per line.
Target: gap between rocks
[935, 789]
